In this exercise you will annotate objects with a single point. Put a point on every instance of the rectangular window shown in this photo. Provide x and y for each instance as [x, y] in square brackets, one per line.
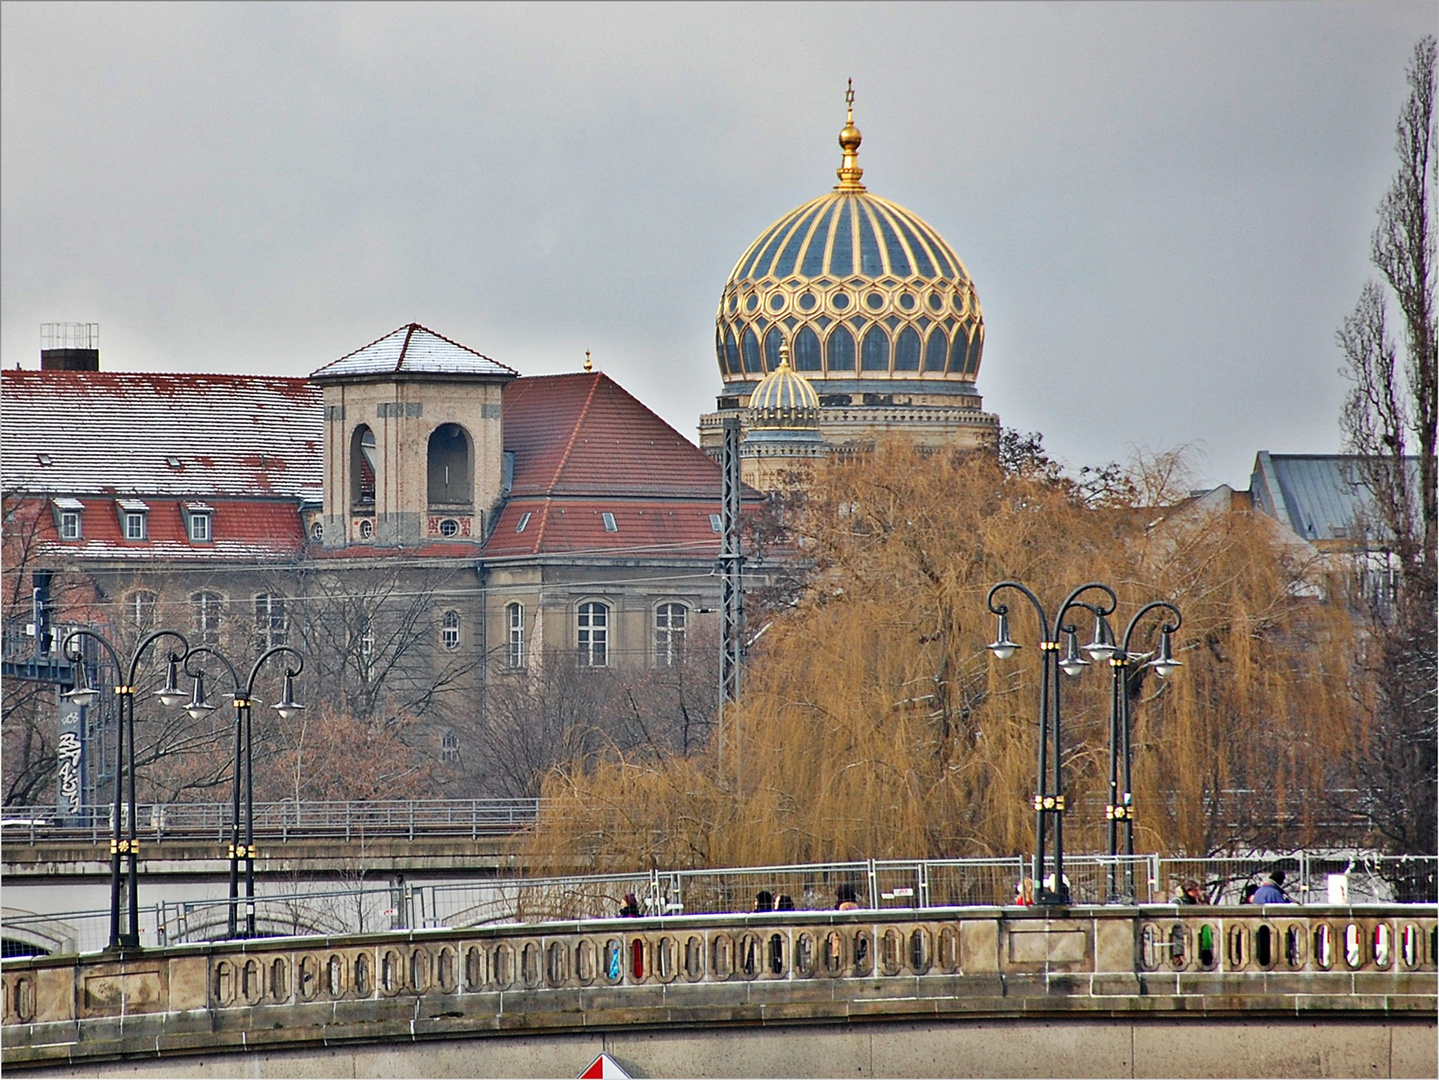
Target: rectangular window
[609, 520]
[715, 524]
[593, 641]
[516, 656]
[70, 525]
[670, 633]
[134, 526]
[142, 609]
[270, 625]
[200, 527]
[208, 610]
[450, 630]
[449, 747]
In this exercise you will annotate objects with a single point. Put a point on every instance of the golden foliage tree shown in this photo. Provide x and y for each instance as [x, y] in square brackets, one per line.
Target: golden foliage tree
[874, 723]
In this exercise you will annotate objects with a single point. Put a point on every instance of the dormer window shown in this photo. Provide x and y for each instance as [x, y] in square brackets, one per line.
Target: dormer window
[133, 513]
[68, 518]
[197, 522]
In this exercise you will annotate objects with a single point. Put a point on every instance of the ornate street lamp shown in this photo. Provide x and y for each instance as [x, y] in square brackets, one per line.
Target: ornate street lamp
[1049, 789]
[243, 697]
[124, 843]
[1120, 807]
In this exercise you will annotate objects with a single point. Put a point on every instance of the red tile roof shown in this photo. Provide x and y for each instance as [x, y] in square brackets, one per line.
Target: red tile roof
[584, 434]
[653, 528]
[125, 433]
[241, 529]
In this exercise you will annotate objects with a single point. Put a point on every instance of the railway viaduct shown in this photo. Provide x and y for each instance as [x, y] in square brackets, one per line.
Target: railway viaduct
[1084, 991]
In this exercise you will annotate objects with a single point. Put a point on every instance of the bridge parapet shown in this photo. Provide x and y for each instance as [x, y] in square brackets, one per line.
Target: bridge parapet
[774, 968]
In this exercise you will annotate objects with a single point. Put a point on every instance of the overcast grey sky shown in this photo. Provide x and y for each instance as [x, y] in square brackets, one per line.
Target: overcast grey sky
[1165, 208]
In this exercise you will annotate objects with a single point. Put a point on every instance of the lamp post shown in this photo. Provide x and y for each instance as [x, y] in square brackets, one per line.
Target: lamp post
[1121, 801]
[1049, 789]
[124, 842]
[243, 697]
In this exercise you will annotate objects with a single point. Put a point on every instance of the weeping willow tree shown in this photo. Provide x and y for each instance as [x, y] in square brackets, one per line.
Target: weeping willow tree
[874, 723]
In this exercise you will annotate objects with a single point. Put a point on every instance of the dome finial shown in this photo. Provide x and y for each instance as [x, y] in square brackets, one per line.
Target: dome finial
[589, 364]
[783, 356]
[849, 171]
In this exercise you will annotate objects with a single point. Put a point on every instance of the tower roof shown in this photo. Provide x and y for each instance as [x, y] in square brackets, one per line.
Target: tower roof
[414, 350]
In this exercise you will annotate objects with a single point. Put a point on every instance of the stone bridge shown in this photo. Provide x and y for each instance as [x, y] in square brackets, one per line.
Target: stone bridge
[1095, 991]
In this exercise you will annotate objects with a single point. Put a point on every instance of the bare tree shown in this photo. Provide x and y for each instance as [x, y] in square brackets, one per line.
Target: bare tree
[1389, 421]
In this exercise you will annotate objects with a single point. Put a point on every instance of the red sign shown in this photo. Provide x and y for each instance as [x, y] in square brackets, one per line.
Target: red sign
[604, 1067]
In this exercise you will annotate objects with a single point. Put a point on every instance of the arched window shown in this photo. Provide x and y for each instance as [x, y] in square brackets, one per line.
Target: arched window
[772, 342]
[141, 608]
[670, 622]
[594, 634]
[839, 350]
[906, 351]
[449, 469]
[209, 609]
[731, 352]
[362, 466]
[957, 351]
[875, 350]
[269, 621]
[749, 346]
[935, 350]
[515, 619]
[976, 348]
[450, 630]
[806, 350]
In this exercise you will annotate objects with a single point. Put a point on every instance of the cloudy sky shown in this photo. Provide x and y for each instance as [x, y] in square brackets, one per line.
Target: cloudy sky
[1166, 208]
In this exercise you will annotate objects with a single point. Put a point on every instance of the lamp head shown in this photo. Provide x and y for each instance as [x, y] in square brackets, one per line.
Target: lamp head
[1001, 646]
[1072, 664]
[287, 706]
[1164, 664]
[170, 694]
[84, 694]
[198, 706]
[1102, 647]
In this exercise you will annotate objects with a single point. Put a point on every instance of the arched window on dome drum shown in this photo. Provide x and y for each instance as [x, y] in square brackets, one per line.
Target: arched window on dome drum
[841, 258]
[772, 342]
[935, 351]
[839, 350]
[806, 350]
[749, 345]
[731, 353]
[976, 348]
[957, 351]
[906, 350]
[874, 352]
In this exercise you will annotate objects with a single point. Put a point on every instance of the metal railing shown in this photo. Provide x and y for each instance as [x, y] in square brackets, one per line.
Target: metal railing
[284, 821]
[878, 885]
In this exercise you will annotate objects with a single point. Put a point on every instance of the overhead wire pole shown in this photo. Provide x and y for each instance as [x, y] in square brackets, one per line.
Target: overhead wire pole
[731, 570]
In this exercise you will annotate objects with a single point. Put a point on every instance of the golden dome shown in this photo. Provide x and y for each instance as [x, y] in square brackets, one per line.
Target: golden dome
[784, 400]
[856, 289]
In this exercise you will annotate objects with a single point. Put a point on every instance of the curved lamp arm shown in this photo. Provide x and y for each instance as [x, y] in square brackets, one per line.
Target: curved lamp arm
[1073, 601]
[1002, 610]
[287, 705]
[1167, 628]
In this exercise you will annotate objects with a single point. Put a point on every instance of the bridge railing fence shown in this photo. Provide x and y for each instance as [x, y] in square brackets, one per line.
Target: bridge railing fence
[283, 820]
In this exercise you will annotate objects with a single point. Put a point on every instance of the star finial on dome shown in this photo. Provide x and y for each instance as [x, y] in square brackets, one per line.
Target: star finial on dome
[849, 171]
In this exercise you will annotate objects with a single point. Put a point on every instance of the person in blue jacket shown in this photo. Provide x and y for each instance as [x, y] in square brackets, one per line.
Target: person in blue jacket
[1272, 891]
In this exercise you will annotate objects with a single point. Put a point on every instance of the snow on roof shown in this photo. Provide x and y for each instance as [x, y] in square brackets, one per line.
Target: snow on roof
[413, 350]
[93, 432]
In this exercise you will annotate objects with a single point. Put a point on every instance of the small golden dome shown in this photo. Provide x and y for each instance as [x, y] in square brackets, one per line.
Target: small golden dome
[784, 400]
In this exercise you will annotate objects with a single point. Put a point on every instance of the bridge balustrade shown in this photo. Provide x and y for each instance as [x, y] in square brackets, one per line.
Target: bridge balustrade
[804, 966]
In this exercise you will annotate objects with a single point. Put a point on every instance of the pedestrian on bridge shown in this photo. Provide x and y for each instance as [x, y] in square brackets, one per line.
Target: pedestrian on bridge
[1272, 891]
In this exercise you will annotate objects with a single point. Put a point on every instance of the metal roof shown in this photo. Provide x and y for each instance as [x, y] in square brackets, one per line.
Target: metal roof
[117, 433]
[414, 350]
[1317, 495]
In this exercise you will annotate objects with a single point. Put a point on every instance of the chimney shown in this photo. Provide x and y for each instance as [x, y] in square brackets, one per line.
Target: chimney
[70, 346]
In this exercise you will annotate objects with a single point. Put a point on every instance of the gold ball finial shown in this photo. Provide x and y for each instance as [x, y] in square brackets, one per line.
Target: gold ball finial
[589, 364]
[849, 171]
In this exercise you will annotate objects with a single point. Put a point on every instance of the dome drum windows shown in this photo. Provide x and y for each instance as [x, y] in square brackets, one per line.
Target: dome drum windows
[874, 350]
[839, 350]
